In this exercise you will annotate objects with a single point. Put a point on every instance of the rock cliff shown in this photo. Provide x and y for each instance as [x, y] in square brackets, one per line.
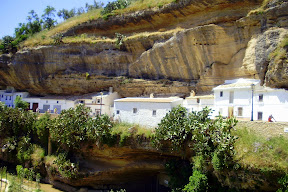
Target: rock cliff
[189, 44]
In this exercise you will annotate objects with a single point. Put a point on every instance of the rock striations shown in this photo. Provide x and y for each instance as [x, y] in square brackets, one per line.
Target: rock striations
[191, 44]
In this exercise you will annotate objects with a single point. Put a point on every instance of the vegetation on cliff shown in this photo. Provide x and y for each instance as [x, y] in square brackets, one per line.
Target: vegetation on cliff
[210, 145]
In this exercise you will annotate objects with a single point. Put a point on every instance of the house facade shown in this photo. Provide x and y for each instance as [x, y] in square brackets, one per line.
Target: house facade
[246, 99]
[9, 95]
[197, 103]
[147, 112]
[99, 103]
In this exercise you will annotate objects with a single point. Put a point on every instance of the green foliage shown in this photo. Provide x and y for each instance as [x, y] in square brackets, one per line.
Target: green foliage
[111, 6]
[7, 44]
[19, 103]
[179, 172]
[284, 184]
[58, 38]
[173, 127]
[119, 39]
[66, 14]
[65, 167]
[47, 17]
[198, 182]
[42, 129]
[74, 126]
[24, 150]
[14, 122]
[210, 140]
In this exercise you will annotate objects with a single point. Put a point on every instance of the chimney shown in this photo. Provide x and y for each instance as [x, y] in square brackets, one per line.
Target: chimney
[110, 90]
[152, 95]
[192, 93]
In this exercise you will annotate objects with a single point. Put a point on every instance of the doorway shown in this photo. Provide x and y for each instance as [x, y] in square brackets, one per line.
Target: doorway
[230, 112]
[34, 106]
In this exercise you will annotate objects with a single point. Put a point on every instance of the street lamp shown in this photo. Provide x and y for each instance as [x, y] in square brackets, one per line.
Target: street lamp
[252, 88]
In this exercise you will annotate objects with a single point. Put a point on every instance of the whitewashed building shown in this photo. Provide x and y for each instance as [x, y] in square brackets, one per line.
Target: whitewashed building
[197, 103]
[49, 103]
[234, 98]
[9, 95]
[147, 112]
[99, 103]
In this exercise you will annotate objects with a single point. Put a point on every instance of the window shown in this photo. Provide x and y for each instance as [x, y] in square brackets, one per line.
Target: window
[10, 98]
[231, 96]
[57, 101]
[20, 95]
[221, 93]
[2, 96]
[198, 100]
[154, 113]
[134, 110]
[97, 113]
[260, 97]
[6, 98]
[98, 100]
[46, 101]
[260, 115]
[117, 112]
[240, 111]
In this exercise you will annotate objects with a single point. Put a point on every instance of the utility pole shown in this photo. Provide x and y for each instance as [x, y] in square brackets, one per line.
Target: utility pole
[252, 88]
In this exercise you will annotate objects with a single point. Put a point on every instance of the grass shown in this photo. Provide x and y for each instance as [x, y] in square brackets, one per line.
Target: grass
[144, 4]
[127, 130]
[37, 155]
[258, 152]
[46, 37]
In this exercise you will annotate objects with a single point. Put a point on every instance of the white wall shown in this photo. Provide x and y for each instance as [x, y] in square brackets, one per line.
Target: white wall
[144, 115]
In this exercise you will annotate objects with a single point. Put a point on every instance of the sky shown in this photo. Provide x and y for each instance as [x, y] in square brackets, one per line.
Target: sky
[13, 12]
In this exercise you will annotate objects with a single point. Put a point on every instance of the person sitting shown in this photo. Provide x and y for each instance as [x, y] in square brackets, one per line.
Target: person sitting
[270, 118]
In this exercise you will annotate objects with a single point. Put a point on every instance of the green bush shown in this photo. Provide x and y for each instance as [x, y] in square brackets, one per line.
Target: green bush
[65, 167]
[74, 126]
[42, 129]
[173, 127]
[198, 182]
[111, 6]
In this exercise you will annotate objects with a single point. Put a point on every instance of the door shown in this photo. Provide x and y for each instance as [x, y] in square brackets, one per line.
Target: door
[34, 106]
[230, 112]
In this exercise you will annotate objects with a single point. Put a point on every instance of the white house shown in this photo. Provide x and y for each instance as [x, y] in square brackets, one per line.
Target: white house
[147, 112]
[50, 103]
[9, 95]
[99, 103]
[197, 103]
[247, 99]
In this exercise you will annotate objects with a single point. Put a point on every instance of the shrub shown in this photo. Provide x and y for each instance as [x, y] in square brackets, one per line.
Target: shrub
[197, 182]
[19, 103]
[173, 127]
[65, 167]
[111, 6]
[74, 126]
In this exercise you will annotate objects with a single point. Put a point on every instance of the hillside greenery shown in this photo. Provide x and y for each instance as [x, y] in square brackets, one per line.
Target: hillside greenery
[43, 30]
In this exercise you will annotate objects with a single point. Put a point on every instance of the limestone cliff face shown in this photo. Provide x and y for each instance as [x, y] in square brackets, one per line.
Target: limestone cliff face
[191, 44]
